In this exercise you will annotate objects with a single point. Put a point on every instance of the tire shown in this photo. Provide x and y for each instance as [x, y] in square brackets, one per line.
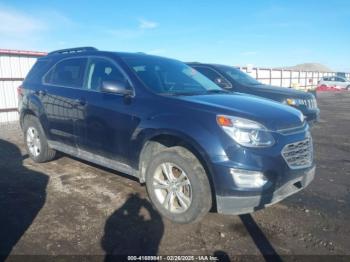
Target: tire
[348, 88]
[37, 147]
[187, 170]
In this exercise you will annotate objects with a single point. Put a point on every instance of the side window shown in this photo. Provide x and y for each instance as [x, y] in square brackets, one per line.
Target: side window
[339, 79]
[215, 77]
[101, 70]
[68, 72]
[212, 75]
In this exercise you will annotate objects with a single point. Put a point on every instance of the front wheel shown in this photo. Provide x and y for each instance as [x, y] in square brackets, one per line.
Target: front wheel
[178, 186]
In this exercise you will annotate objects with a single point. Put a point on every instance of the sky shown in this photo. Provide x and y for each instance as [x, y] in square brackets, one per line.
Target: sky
[264, 33]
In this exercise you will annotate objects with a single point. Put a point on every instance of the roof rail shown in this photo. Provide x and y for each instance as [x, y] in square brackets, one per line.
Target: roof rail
[73, 50]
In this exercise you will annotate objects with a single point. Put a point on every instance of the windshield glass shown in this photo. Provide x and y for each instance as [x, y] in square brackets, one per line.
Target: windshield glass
[167, 76]
[239, 76]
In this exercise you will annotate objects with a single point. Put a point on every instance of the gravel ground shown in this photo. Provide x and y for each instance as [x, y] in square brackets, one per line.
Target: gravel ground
[70, 207]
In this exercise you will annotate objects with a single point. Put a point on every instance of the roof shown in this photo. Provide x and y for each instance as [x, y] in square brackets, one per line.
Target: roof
[88, 50]
[209, 65]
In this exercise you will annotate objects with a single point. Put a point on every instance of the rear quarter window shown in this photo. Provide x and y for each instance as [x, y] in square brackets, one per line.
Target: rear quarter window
[37, 71]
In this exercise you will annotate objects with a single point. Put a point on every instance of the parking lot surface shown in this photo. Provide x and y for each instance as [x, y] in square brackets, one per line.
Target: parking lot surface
[68, 206]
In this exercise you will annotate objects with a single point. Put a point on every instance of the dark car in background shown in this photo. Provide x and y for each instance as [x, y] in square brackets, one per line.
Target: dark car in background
[235, 80]
[195, 147]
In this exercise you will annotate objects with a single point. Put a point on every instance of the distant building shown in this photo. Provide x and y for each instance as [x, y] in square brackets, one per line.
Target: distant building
[14, 66]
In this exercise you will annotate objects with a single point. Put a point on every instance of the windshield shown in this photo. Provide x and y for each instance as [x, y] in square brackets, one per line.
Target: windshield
[167, 76]
[239, 76]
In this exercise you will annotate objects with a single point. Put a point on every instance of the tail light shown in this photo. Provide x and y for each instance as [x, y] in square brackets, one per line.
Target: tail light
[20, 90]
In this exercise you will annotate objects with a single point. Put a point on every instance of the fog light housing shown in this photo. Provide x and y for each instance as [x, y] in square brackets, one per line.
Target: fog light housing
[248, 178]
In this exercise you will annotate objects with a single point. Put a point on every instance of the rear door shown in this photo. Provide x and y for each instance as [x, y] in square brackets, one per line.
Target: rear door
[61, 99]
[331, 82]
[340, 82]
[324, 81]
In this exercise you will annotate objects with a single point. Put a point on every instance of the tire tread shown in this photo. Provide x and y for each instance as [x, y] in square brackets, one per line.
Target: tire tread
[204, 201]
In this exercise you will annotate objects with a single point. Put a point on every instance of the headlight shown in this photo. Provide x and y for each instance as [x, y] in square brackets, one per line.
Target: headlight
[291, 101]
[245, 132]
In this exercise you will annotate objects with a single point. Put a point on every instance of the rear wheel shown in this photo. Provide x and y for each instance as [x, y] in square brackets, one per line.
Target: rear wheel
[178, 185]
[35, 140]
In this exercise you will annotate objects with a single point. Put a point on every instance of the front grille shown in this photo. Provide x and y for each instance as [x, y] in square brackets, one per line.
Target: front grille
[299, 154]
[309, 103]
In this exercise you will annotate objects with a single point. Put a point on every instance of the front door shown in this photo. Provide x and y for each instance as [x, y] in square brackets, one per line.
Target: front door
[108, 124]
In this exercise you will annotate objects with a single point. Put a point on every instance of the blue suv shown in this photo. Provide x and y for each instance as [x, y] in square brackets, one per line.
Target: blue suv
[195, 146]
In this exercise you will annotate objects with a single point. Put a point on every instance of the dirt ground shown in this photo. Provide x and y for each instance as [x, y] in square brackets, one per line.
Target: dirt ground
[72, 207]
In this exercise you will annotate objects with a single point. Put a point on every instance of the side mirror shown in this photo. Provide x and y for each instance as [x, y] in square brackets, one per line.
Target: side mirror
[116, 87]
[223, 83]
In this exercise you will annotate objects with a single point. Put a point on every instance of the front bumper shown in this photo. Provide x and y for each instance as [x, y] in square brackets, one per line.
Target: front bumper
[246, 204]
[312, 117]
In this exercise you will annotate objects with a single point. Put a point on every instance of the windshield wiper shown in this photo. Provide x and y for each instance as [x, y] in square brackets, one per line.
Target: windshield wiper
[216, 91]
[182, 94]
[197, 93]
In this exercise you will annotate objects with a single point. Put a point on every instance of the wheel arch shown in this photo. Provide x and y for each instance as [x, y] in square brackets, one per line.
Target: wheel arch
[157, 142]
[24, 113]
[34, 107]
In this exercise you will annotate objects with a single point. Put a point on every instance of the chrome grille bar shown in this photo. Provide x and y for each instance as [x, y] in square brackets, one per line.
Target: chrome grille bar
[299, 154]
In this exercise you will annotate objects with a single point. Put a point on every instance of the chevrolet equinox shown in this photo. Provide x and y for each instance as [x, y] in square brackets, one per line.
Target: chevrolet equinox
[196, 146]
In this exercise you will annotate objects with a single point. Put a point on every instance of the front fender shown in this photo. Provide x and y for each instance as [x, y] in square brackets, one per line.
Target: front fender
[196, 134]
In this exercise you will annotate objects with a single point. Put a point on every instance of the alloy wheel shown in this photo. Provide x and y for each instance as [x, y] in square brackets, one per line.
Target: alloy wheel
[33, 141]
[172, 187]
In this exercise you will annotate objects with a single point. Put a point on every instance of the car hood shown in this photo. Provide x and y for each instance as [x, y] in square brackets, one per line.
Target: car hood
[279, 93]
[273, 115]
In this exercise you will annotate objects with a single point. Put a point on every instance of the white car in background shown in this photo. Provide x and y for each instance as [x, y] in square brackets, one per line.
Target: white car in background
[337, 82]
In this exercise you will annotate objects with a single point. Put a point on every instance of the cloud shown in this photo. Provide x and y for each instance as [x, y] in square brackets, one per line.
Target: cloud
[56, 19]
[25, 29]
[147, 24]
[14, 23]
[128, 33]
